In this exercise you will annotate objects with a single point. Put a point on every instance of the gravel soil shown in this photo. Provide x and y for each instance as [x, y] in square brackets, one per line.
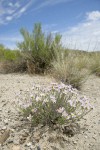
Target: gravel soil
[16, 134]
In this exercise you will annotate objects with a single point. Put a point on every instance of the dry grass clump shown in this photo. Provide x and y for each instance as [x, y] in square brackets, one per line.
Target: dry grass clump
[94, 64]
[71, 69]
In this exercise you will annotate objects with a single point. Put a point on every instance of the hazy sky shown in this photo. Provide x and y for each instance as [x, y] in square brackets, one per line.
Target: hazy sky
[77, 20]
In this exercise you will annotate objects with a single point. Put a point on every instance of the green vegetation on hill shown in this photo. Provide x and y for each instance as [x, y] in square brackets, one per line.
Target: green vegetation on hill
[8, 55]
[11, 60]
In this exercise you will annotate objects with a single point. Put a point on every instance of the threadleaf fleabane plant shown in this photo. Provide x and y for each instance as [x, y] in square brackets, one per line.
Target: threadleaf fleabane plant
[56, 104]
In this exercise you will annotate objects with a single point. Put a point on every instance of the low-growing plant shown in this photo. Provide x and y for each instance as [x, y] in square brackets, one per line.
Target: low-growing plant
[56, 104]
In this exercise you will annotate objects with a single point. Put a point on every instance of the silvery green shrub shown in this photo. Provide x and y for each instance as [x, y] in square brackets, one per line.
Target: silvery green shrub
[55, 104]
[39, 47]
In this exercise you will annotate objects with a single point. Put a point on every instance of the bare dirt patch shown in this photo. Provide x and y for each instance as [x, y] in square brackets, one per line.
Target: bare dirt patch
[21, 138]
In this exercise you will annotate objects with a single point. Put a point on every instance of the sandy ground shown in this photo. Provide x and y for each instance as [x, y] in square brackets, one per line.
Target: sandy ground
[20, 138]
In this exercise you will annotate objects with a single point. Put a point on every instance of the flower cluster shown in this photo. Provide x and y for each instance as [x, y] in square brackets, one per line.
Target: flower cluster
[55, 104]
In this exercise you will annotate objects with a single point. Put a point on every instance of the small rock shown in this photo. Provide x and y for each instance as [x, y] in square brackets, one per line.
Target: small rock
[29, 144]
[9, 111]
[54, 148]
[74, 142]
[38, 148]
[94, 138]
[4, 137]
[16, 141]
[25, 135]
[6, 121]
[86, 137]
[10, 141]
[4, 128]
[16, 147]
[12, 130]
[22, 140]
[21, 119]
[99, 122]
[37, 136]
[37, 139]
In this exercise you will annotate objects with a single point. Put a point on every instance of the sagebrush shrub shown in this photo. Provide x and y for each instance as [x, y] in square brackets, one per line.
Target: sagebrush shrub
[39, 47]
[55, 104]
